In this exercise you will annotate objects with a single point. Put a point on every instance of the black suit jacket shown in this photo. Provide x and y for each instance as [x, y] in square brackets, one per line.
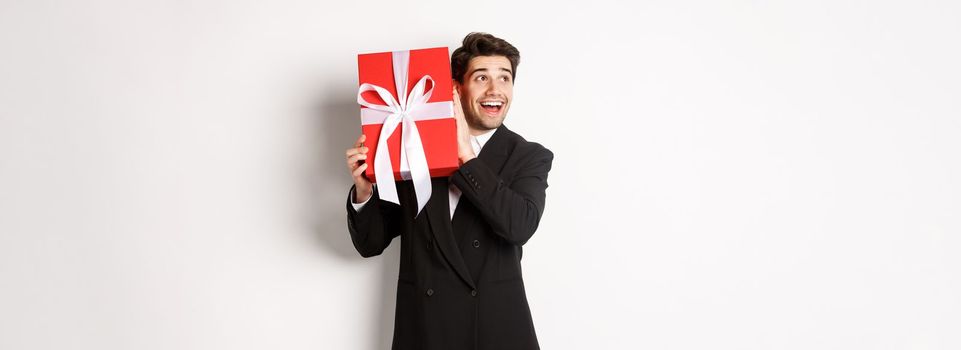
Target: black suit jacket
[460, 284]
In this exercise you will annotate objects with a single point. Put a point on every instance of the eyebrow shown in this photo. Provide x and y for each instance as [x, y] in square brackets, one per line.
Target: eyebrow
[485, 69]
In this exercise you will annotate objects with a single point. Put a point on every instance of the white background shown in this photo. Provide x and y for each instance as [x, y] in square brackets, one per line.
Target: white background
[728, 175]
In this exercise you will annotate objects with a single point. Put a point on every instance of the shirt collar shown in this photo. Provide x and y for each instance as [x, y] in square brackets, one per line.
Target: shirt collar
[482, 139]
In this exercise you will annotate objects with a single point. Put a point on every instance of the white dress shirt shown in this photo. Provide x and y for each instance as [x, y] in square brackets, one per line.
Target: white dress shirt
[477, 142]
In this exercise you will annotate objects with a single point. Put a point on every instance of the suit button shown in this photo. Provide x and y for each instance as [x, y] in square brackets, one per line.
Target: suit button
[473, 293]
[430, 292]
[476, 243]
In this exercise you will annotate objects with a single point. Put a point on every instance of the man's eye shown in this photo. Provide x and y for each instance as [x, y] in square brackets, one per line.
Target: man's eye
[505, 79]
[482, 78]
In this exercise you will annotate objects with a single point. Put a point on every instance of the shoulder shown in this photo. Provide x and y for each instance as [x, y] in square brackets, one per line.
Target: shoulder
[527, 149]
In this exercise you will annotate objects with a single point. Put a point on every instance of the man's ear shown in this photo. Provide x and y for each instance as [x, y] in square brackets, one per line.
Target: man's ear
[455, 84]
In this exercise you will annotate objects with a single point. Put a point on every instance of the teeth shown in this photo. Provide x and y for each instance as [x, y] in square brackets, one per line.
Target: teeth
[492, 103]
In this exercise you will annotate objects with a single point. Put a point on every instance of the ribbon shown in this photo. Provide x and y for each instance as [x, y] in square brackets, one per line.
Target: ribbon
[405, 110]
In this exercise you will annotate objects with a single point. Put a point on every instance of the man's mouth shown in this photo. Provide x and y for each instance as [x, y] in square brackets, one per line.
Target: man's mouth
[492, 107]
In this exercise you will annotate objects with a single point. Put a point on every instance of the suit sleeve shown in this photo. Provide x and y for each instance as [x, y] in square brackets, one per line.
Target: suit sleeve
[374, 226]
[514, 210]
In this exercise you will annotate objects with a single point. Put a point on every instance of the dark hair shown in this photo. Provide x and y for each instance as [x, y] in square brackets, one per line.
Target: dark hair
[482, 44]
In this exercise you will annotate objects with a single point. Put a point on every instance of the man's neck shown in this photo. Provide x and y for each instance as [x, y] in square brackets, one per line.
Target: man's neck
[475, 132]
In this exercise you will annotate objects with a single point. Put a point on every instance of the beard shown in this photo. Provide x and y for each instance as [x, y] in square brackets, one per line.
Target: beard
[480, 122]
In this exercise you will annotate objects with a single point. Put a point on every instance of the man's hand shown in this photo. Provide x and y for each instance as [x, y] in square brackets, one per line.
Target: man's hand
[465, 151]
[362, 187]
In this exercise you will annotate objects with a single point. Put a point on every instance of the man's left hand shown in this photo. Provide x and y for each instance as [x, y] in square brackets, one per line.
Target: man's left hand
[465, 151]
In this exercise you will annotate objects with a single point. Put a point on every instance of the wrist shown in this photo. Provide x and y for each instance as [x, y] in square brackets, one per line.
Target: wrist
[466, 157]
[465, 152]
[362, 194]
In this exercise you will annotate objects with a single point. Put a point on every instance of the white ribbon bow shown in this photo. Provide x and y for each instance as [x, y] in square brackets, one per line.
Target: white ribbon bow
[404, 109]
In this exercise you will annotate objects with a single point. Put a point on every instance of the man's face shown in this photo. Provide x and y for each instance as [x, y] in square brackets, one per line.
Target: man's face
[486, 92]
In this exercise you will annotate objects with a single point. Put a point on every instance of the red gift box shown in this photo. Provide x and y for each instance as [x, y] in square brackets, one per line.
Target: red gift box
[438, 130]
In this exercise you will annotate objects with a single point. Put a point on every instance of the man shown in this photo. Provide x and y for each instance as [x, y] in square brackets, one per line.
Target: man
[460, 284]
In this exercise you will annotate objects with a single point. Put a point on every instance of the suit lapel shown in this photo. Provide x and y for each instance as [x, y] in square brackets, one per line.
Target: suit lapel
[438, 214]
[494, 154]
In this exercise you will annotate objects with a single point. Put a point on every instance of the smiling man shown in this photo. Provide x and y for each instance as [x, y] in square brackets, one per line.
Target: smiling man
[460, 284]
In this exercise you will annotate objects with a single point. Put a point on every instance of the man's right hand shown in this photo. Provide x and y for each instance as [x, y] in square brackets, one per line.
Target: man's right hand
[362, 187]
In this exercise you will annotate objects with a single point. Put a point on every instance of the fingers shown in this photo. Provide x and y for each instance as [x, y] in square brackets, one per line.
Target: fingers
[358, 147]
[458, 110]
[358, 150]
[352, 160]
[356, 154]
[354, 157]
[359, 170]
